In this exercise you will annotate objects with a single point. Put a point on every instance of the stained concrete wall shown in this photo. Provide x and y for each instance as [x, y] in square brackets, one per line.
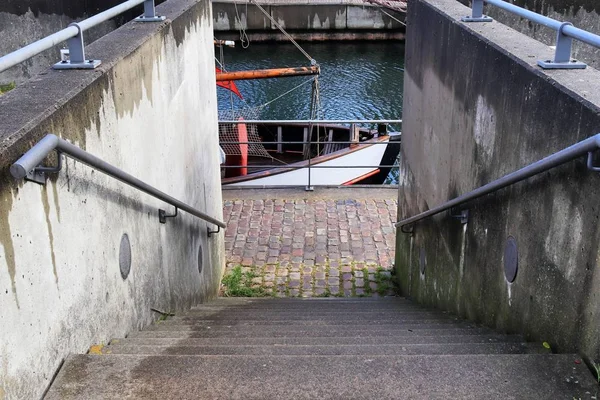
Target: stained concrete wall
[25, 21]
[477, 107]
[340, 19]
[151, 110]
[584, 14]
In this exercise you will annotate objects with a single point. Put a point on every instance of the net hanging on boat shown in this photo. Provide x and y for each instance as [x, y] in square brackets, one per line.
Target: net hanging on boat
[229, 132]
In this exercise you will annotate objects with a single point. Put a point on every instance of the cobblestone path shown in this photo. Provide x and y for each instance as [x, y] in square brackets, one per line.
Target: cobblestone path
[311, 247]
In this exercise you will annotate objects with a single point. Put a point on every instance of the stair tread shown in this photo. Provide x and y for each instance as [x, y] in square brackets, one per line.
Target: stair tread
[440, 330]
[324, 377]
[413, 339]
[372, 349]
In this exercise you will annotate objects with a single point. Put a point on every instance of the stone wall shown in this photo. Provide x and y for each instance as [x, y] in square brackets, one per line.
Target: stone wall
[149, 109]
[477, 107]
[315, 20]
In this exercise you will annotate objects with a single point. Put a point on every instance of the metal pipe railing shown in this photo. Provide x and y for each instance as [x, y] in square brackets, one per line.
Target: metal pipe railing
[565, 32]
[74, 31]
[313, 121]
[587, 146]
[31, 160]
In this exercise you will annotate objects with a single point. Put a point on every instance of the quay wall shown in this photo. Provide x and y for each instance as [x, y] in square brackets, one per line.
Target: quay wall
[307, 20]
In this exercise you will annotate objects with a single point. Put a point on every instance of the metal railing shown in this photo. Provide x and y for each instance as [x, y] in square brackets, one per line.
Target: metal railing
[28, 167]
[566, 32]
[313, 121]
[307, 124]
[587, 146]
[73, 34]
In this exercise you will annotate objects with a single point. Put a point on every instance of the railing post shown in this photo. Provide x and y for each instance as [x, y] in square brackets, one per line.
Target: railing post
[279, 140]
[76, 54]
[150, 13]
[308, 130]
[562, 55]
[477, 13]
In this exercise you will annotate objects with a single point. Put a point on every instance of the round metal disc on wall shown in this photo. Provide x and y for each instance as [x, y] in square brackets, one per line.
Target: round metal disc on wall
[200, 259]
[125, 256]
[511, 259]
[422, 260]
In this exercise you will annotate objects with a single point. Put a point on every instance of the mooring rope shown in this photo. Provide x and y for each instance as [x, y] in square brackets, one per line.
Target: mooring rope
[312, 60]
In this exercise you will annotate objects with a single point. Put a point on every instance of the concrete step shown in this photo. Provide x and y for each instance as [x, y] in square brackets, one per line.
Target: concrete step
[333, 321]
[320, 341]
[439, 330]
[266, 328]
[317, 350]
[523, 376]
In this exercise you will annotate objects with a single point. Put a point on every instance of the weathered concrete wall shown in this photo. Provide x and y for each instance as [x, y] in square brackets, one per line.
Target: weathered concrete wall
[320, 18]
[23, 22]
[584, 14]
[151, 110]
[476, 107]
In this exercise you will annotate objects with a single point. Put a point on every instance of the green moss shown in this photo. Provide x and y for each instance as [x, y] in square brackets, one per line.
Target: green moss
[367, 287]
[7, 87]
[239, 284]
[384, 282]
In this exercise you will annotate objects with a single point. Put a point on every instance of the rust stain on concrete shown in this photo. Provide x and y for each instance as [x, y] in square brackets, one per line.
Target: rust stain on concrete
[6, 201]
[46, 202]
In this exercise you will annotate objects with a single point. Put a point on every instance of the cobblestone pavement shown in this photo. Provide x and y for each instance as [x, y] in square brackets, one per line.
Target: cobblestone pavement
[312, 247]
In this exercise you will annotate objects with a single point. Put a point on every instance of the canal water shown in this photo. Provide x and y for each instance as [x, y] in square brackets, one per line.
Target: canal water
[359, 80]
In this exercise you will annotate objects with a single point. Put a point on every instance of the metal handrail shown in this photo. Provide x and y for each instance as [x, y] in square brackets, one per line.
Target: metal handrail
[313, 121]
[587, 146]
[75, 30]
[28, 165]
[565, 32]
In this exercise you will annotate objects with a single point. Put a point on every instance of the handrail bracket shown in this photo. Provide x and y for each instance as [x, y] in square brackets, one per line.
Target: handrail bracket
[74, 58]
[409, 228]
[150, 13]
[590, 163]
[162, 215]
[39, 173]
[210, 233]
[461, 215]
[477, 13]
[562, 55]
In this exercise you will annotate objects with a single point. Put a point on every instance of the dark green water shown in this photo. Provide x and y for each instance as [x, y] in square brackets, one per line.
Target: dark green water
[359, 80]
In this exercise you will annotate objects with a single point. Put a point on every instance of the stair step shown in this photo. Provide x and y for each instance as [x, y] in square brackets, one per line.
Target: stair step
[302, 350]
[290, 325]
[323, 377]
[321, 341]
[439, 330]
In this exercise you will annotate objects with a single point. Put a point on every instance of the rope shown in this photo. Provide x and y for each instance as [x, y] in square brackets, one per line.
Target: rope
[286, 93]
[312, 60]
[392, 17]
[244, 39]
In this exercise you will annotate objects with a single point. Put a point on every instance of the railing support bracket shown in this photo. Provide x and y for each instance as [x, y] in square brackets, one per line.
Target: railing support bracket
[210, 233]
[477, 13]
[39, 174]
[76, 53]
[162, 215]
[590, 163]
[462, 215]
[150, 13]
[562, 55]
[407, 229]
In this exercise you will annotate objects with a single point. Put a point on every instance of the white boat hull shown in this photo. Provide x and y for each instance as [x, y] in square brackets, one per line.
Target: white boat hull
[367, 156]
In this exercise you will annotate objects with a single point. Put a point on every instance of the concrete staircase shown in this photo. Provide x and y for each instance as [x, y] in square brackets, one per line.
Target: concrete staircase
[321, 349]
